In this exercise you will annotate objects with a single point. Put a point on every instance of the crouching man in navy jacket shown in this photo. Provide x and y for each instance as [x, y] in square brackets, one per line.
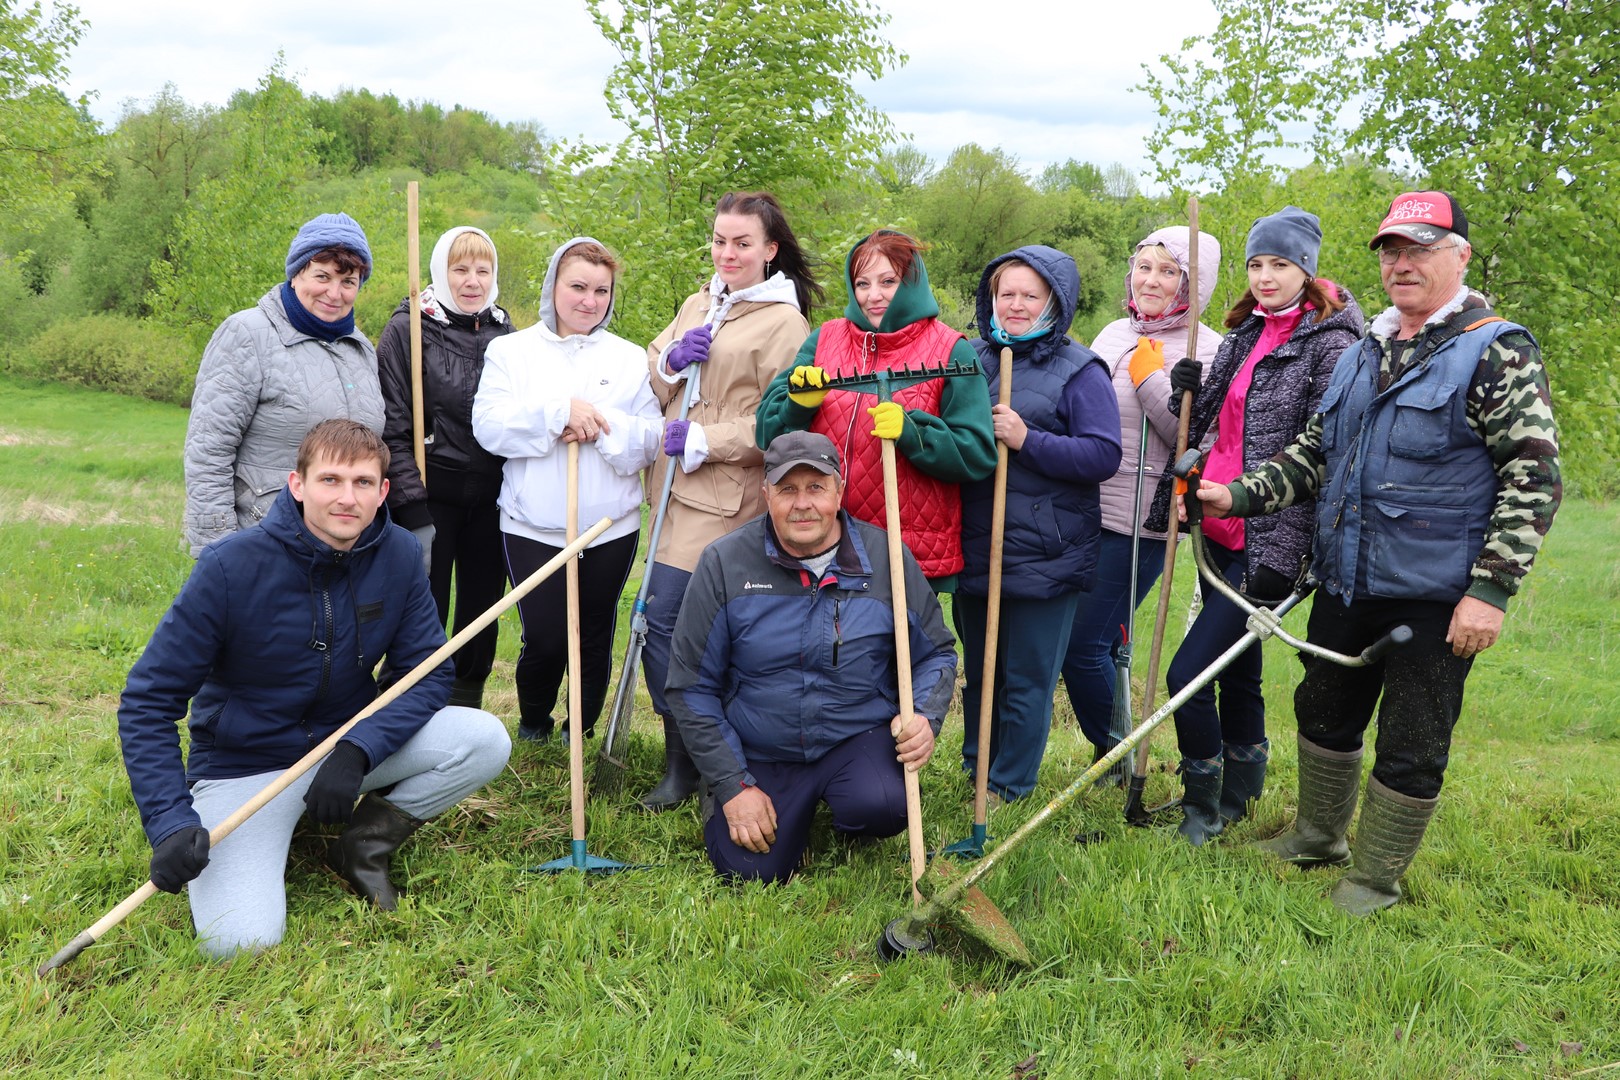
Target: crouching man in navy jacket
[783, 674]
[273, 641]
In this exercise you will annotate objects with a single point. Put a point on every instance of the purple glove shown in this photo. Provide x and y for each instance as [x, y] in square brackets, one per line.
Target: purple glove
[693, 348]
[675, 436]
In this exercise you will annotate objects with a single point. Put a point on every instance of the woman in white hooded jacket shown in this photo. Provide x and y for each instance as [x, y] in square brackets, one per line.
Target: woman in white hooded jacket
[1140, 350]
[568, 380]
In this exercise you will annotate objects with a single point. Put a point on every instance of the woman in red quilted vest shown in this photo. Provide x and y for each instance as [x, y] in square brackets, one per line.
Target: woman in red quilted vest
[940, 426]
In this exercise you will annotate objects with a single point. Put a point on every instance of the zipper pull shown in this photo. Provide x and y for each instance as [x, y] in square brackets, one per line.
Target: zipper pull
[838, 633]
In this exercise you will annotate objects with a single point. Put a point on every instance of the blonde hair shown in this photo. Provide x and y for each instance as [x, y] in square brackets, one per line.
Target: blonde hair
[469, 245]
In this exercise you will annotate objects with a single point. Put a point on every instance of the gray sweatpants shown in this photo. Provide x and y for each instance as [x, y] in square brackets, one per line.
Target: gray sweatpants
[240, 900]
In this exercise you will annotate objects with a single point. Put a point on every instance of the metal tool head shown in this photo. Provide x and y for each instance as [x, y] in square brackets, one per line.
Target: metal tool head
[885, 383]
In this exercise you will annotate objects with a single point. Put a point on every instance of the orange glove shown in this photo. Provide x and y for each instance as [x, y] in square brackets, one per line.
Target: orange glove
[1148, 358]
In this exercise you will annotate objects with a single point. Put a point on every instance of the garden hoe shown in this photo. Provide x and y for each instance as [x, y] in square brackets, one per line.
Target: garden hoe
[973, 846]
[1135, 813]
[955, 906]
[612, 758]
[135, 899]
[578, 858]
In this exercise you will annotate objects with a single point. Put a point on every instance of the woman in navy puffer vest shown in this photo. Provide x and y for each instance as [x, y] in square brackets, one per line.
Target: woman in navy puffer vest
[1062, 431]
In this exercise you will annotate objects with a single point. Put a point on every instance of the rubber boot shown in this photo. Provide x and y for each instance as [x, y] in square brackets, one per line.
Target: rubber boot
[1387, 838]
[680, 780]
[363, 851]
[1200, 800]
[467, 693]
[1328, 783]
[535, 722]
[1244, 778]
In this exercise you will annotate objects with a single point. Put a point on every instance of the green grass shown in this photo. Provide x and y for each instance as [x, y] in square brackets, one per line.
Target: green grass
[1157, 960]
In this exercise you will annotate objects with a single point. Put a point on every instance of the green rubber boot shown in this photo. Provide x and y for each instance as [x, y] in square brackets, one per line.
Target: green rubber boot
[1387, 839]
[1328, 783]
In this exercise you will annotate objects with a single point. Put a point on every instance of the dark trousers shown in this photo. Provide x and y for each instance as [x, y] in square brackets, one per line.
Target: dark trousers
[1090, 666]
[1240, 717]
[467, 546]
[859, 780]
[1421, 686]
[1033, 640]
[541, 665]
[663, 607]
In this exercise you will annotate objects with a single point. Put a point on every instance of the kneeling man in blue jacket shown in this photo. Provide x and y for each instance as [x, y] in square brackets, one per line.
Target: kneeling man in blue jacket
[273, 641]
[783, 675]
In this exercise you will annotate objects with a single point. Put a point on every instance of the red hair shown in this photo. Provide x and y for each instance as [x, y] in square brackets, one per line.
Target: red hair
[901, 251]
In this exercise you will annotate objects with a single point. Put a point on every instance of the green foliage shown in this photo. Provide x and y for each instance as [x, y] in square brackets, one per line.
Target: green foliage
[721, 97]
[232, 241]
[371, 132]
[46, 142]
[1530, 151]
[110, 352]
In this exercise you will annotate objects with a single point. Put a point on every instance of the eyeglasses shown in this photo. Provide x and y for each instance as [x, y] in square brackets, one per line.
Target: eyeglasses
[1417, 253]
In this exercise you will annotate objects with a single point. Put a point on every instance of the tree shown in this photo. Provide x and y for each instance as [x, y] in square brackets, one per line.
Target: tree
[45, 139]
[718, 96]
[233, 237]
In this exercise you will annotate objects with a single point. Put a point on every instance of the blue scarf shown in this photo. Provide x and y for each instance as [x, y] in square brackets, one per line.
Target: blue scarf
[305, 322]
[1042, 327]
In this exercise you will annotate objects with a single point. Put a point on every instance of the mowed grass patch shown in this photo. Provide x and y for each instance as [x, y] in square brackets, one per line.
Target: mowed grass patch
[1156, 960]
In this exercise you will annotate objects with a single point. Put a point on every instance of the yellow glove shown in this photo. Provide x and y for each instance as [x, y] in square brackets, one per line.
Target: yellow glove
[807, 386]
[1148, 358]
[888, 420]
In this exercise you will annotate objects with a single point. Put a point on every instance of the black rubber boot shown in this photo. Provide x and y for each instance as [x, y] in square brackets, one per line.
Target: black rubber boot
[1114, 777]
[1243, 779]
[467, 693]
[362, 853]
[535, 722]
[1200, 801]
[1387, 839]
[1328, 783]
[680, 780]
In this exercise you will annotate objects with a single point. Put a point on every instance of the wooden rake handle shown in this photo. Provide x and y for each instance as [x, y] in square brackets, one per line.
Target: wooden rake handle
[118, 914]
[992, 621]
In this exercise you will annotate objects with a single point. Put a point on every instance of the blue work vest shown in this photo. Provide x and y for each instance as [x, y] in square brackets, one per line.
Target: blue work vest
[1410, 486]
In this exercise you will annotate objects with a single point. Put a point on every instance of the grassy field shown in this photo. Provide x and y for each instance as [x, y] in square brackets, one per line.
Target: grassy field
[1156, 960]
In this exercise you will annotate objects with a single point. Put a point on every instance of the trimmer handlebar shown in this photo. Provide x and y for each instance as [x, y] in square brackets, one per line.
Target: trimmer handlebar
[1401, 635]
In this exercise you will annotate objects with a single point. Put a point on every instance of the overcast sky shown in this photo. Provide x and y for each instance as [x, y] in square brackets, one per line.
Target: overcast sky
[1051, 80]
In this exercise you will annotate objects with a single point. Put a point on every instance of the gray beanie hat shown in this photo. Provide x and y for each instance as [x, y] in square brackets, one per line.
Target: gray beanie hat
[1291, 233]
[327, 231]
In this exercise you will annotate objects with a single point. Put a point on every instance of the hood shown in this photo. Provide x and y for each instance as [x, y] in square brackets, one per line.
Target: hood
[1176, 240]
[285, 522]
[548, 306]
[913, 301]
[1061, 276]
[438, 292]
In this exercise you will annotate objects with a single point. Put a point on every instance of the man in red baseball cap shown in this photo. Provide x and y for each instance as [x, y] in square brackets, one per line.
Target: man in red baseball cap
[1434, 463]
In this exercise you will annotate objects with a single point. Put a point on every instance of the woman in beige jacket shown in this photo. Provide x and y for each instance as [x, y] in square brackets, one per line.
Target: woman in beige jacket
[729, 340]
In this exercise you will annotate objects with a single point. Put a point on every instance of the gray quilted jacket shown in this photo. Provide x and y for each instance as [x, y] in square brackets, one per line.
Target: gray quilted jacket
[261, 387]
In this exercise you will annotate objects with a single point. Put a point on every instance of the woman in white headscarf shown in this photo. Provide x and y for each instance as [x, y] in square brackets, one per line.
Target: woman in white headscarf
[452, 509]
[1139, 350]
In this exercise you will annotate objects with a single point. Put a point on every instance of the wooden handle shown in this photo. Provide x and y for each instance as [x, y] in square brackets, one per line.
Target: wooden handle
[1139, 763]
[413, 259]
[992, 622]
[219, 832]
[902, 661]
[576, 735]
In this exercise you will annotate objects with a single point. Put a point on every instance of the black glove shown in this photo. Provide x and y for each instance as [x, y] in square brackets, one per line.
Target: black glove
[179, 858]
[331, 797]
[1186, 375]
[1268, 586]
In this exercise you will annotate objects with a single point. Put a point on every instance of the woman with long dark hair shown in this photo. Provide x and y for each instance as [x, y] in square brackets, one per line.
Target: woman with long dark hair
[1285, 334]
[733, 336]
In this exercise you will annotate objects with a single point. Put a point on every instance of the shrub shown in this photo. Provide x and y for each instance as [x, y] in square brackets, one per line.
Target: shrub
[110, 352]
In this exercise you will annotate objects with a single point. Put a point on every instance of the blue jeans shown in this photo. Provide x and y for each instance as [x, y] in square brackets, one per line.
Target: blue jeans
[1089, 667]
[1201, 726]
[1034, 638]
[664, 597]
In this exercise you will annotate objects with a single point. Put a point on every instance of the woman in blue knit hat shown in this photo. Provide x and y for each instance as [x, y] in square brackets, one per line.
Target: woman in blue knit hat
[1283, 337]
[274, 371]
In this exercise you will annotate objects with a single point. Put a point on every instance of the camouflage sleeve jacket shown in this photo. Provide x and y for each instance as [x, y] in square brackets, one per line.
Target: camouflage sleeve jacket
[1509, 406]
